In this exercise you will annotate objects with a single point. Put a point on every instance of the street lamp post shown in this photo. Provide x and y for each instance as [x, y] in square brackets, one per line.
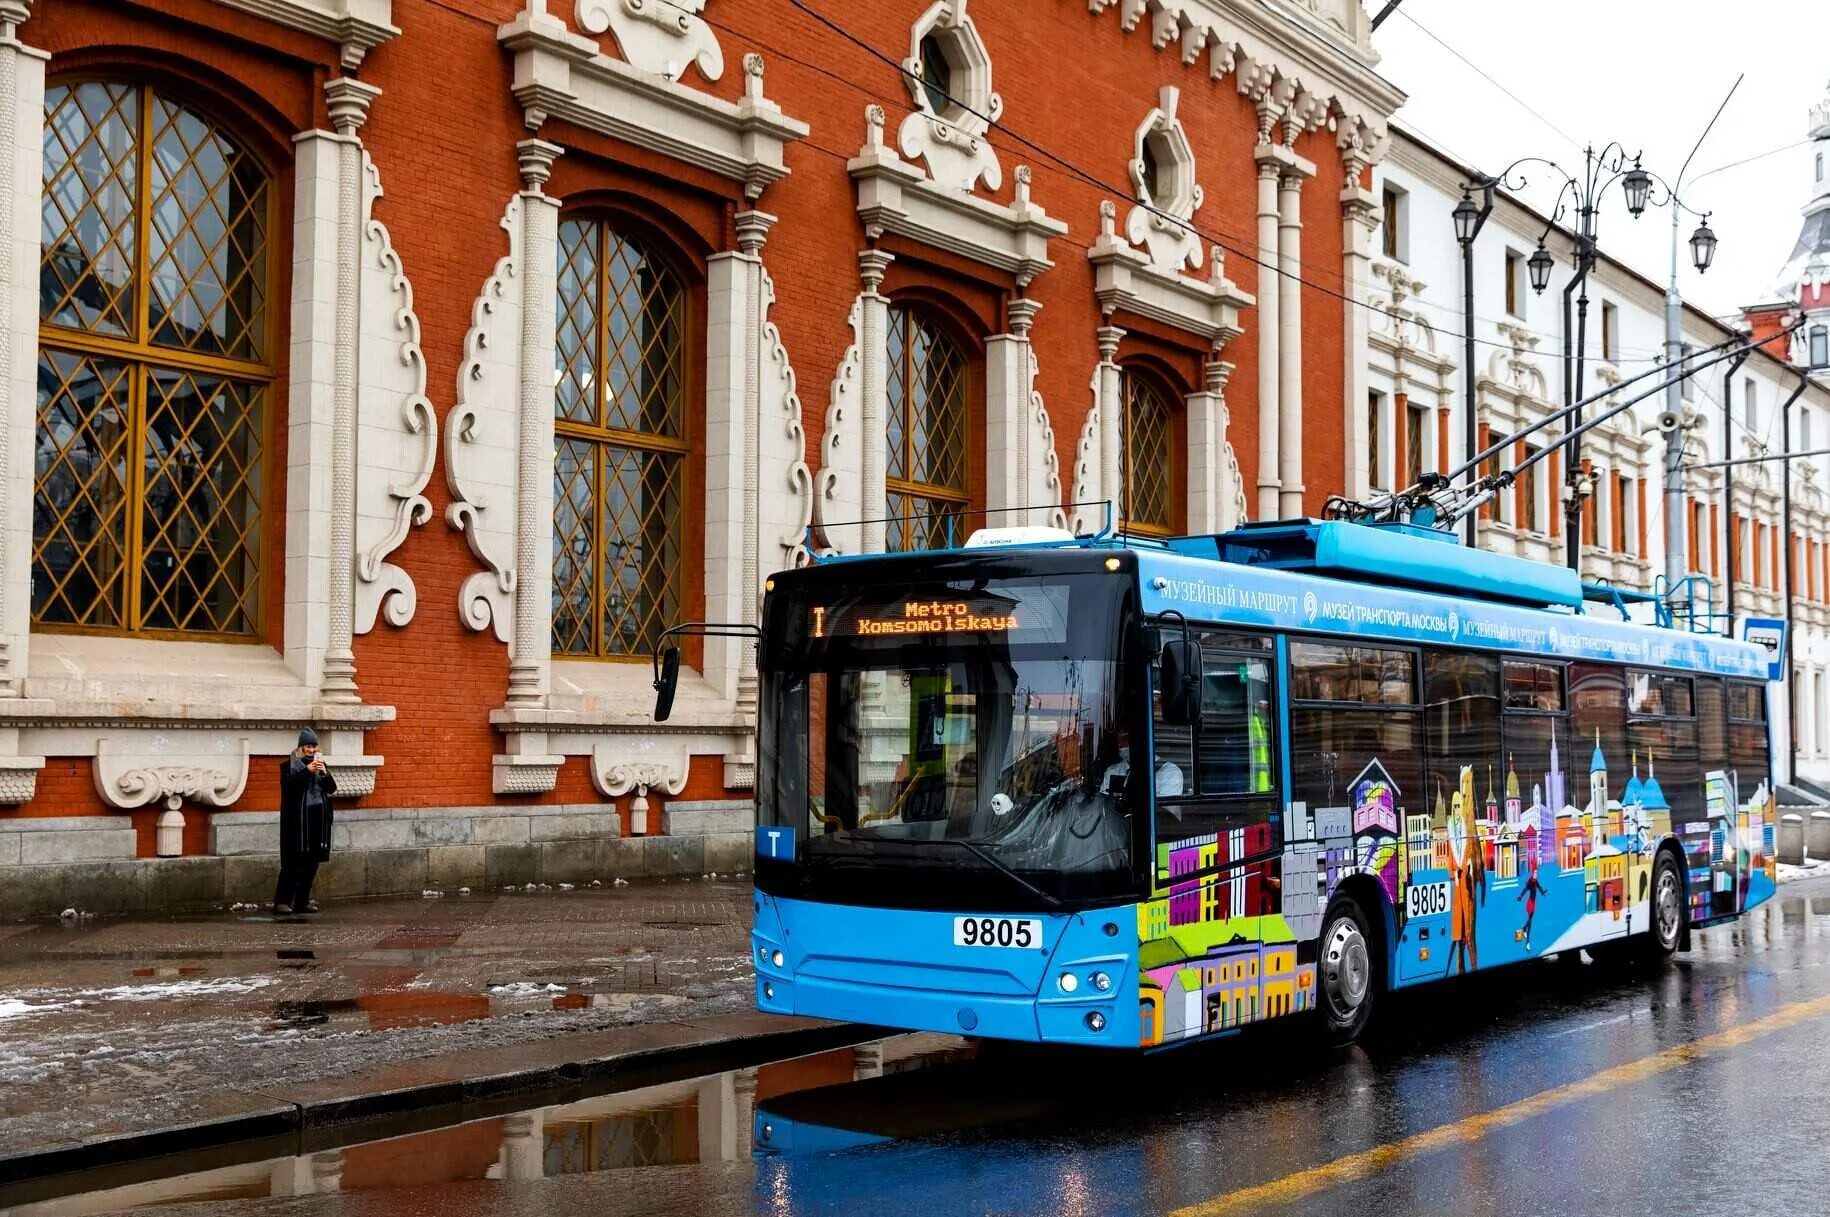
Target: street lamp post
[1601, 170]
[1469, 220]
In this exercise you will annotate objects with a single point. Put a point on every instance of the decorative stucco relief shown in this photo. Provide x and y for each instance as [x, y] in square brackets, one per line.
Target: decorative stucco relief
[1087, 487]
[659, 36]
[787, 508]
[170, 771]
[1163, 177]
[840, 501]
[1044, 474]
[397, 442]
[951, 137]
[480, 440]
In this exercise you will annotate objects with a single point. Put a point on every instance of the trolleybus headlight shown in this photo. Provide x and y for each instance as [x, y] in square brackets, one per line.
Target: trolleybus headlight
[1068, 982]
[778, 959]
[1101, 981]
[1095, 1021]
[769, 991]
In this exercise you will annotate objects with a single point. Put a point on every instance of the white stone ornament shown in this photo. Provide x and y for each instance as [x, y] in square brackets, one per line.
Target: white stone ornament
[659, 36]
[1161, 219]
[480, 440]
[397, 441]
[203, 771]
[787, 507]
[840, 500]
[952, 139]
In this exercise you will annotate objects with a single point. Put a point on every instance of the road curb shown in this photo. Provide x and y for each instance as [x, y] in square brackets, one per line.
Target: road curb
[371, 1108]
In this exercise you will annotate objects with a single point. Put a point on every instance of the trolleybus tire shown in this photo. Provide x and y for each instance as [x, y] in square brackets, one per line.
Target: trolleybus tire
[1669, 912]
[1349, 975]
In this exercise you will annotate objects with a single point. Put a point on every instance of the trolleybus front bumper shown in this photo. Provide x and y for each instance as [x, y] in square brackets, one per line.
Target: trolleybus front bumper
[902, 968]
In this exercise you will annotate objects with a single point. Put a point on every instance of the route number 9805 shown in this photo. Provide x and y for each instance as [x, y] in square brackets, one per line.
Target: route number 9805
[1022, 933]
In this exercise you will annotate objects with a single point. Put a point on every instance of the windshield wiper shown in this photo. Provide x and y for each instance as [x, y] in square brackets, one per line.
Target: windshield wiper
[985, 856]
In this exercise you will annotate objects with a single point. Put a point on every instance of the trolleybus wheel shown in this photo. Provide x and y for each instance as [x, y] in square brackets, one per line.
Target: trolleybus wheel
[1347, 971]
[1661, 939]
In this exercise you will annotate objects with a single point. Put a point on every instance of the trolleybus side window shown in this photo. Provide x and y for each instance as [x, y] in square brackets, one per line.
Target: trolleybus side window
[1747, 734]
[1461, 694]
[1712, 725]
[1233, 782]
[1354, 720]
[1664, 782]
[1534, 730]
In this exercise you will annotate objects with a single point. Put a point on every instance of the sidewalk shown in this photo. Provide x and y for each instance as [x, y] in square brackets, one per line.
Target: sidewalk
[239, 1025]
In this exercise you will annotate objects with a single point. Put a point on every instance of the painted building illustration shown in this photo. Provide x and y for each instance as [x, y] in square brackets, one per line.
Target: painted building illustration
[1231, 940]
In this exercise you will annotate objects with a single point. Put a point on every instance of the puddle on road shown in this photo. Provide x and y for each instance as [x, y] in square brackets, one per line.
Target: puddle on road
[708, 1119]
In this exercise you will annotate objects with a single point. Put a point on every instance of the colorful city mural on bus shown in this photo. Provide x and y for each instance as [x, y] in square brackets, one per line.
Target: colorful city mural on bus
[1472, 882]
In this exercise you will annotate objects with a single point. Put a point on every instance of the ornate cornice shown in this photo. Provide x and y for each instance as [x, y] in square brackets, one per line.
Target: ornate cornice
[559, 74]
[356, 26]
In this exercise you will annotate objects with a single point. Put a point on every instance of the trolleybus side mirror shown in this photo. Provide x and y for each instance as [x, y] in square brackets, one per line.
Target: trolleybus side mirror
[1181, 676]
[667, 679]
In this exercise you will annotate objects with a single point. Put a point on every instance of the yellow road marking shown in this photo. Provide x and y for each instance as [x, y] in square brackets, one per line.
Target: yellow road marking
[1358, 1166]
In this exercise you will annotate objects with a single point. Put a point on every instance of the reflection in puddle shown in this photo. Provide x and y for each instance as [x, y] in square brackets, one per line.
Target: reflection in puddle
[708, 1119]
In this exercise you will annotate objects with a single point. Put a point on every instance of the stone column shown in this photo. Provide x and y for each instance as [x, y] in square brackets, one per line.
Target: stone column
[743, 1095]
[523, 1153]
[21, 184]
[1210, 505]
[349, 101]
[1290, 335]
[1270, 465]
[718, 1140]
[874, 392]
[733, 408]
[1007, 388]
[530, 652]
[1111, 424]
[867, 1061]
[1360, 216]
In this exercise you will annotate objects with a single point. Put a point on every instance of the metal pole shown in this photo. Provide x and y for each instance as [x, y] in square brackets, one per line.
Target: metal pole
[1572, 542]
[1470, 425]
[1675, 522]
[1575, 448]
[1785, 482]
[1728, 488]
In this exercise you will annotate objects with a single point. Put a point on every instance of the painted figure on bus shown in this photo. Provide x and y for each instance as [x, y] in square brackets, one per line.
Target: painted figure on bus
[1529, 894]
[1467, 876]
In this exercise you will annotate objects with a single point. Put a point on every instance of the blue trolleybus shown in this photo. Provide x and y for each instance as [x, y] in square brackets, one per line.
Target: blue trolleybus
[1132, 793]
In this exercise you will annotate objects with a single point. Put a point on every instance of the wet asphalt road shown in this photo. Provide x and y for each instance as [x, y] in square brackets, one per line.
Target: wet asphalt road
[1702, 1087]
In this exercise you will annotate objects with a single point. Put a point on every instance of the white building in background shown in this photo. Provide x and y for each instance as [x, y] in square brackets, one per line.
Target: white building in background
[1414, 421]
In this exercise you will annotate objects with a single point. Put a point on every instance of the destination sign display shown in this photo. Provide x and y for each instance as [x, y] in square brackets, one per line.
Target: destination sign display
[915, 616]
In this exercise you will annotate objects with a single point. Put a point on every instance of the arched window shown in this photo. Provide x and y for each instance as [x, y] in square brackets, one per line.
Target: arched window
[155, 366]
[926, 469]
[620, 460]
[1148, 455]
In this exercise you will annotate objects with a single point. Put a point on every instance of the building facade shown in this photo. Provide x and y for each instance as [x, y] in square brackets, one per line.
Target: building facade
[1734, 526]
[402, 369]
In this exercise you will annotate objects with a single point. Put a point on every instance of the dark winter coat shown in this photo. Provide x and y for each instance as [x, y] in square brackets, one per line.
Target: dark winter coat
[305, 809]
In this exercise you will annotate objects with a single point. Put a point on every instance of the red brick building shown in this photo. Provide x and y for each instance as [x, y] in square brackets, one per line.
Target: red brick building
[403, 367]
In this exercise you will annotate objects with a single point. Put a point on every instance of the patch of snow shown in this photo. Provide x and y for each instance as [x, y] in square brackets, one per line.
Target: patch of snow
[12, 1007]
[525, 988]
[1812, 869]
[430, 894]
[565, 887]
[220, 987]
[622, 883]
[463, 891]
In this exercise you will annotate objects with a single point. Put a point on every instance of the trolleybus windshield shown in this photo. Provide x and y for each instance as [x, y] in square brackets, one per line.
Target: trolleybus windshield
[973, 733]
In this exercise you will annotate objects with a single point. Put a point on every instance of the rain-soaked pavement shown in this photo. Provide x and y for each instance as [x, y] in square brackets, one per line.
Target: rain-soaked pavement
[1549, 1089]
[117, 1027]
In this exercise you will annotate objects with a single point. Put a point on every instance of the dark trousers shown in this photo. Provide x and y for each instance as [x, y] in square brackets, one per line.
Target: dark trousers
[298, 869]
[297, 874]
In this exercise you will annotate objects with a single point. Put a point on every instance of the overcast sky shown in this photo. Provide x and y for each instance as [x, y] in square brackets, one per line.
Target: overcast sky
[1648, 73]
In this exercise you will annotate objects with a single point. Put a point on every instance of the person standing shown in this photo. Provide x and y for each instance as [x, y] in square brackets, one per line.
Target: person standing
[305, 789]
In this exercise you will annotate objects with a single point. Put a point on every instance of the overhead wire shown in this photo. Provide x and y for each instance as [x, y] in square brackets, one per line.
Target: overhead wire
[1236, 245]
